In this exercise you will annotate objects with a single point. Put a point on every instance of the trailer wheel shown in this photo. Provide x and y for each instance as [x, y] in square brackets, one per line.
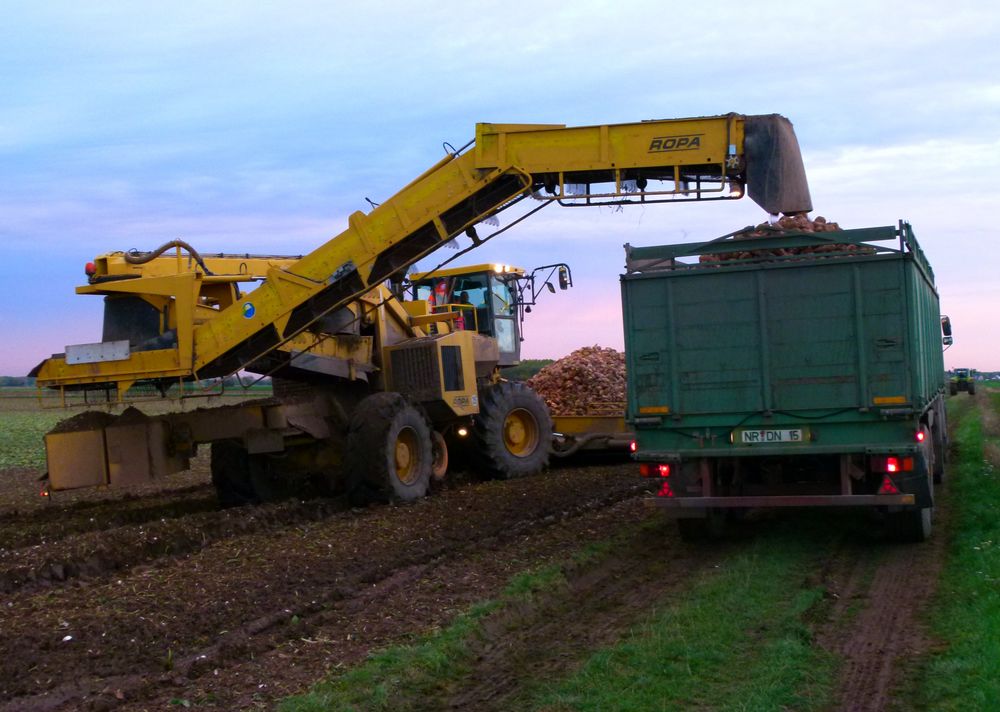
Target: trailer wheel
[972, 388]
[911, 525]
[389, 451]
[512, 435]
[231, 474]
[953, 388]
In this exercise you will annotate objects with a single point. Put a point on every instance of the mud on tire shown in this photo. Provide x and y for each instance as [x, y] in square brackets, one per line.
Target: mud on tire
[512, 435]
[389, 452]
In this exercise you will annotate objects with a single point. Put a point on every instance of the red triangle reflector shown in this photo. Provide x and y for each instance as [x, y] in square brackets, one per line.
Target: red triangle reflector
[888, 486]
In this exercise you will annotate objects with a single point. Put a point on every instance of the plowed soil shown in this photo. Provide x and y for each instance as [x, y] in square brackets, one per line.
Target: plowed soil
[149, 599]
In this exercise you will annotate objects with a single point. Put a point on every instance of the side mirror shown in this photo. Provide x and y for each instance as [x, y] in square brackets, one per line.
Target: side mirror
[947, 341]
[946, 325]
[548, 285]
[563, 278]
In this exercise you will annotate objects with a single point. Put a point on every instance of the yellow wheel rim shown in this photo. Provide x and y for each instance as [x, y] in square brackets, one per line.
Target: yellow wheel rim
[520, 432]
[406, 456]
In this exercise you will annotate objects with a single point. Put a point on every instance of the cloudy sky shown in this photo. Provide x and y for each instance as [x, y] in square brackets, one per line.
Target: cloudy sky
[259, 127]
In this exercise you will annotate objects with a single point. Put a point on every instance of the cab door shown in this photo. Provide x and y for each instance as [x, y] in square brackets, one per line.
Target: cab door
[503, 311]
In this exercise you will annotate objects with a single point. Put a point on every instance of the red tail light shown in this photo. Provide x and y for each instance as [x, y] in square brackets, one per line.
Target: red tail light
[891, 463]
[648, 469]
[920, 436]
[633, 446]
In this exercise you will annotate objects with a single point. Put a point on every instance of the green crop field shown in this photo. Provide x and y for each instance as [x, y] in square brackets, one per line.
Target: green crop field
[24, 420]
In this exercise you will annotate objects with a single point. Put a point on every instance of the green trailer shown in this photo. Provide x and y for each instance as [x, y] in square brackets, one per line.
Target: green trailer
[787, 369]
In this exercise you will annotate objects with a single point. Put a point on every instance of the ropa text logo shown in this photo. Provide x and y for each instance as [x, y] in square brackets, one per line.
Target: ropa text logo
[675, 143]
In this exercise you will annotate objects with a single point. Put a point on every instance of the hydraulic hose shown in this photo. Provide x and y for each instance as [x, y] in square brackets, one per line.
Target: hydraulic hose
[140, 258]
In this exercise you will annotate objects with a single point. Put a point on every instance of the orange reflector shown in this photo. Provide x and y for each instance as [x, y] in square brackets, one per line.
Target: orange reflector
[645, 469]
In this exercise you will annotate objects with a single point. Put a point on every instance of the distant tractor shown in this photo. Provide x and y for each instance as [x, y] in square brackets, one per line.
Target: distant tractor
[963, 379]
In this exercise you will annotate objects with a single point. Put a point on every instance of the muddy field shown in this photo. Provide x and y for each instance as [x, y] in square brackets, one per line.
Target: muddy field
[148, 599]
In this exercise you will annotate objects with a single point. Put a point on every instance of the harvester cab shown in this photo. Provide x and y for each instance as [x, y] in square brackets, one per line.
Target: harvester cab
[490, 299]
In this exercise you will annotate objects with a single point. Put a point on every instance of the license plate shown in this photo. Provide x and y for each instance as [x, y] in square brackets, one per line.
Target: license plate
[771, 436]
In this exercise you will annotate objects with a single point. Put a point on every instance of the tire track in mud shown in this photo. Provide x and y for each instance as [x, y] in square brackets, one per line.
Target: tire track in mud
[233, 600]
[118, 548]
[43, 526]
[876, 625]
[553, 636]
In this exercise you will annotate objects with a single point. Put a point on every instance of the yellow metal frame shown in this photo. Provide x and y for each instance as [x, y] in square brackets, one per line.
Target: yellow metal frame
[506, 163]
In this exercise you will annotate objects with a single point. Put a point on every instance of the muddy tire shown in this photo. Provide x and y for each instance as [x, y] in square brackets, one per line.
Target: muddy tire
[911, 525]
[270, 484]
[953, 389]
[231, 474]
[512, 435]
[389, 451]
[972, 388]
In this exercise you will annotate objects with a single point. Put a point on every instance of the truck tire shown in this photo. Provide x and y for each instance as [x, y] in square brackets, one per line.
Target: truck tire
[389, 451]
[940, 449]
[972, 388]
[910, 525]
[231, 474]
[512, 435]
[953, 389]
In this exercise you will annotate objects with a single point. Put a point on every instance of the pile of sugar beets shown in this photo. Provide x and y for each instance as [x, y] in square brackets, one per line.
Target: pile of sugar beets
[590, 381]
[788, 223]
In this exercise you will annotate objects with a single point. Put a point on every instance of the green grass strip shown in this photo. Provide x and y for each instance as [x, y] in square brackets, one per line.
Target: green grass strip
[966, 617]
[736, 640]
[398, 677]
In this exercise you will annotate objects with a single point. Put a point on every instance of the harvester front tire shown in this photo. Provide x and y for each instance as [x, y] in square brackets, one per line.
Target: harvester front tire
[389, 451]
[512, 435]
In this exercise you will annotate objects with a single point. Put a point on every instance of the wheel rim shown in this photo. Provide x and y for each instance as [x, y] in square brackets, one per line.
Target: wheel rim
[520, 432]
[406, 456]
